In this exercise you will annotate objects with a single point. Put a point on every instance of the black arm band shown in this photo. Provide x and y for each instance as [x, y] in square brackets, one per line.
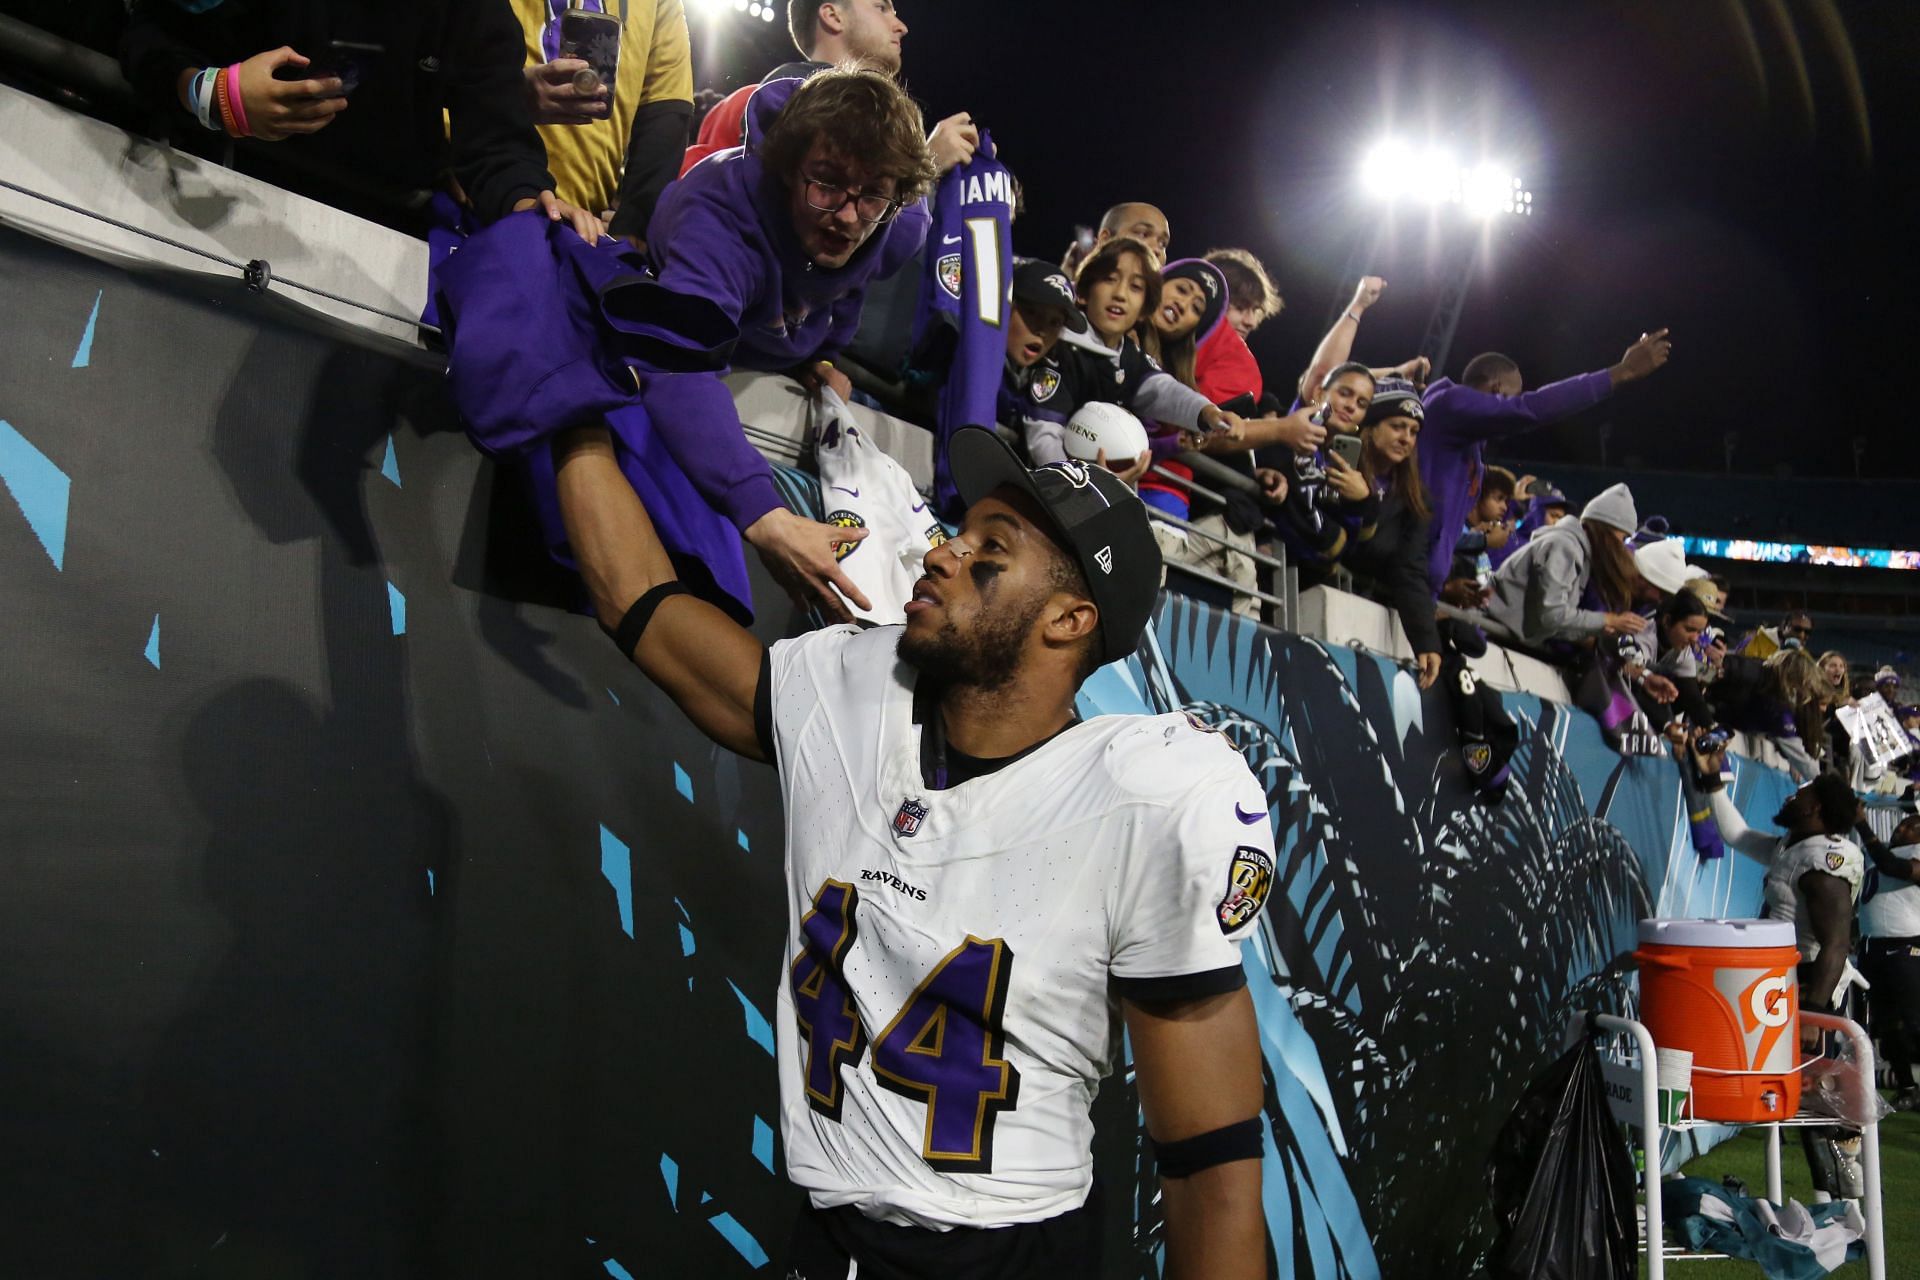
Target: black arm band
[633, 625]
[1224, 1145]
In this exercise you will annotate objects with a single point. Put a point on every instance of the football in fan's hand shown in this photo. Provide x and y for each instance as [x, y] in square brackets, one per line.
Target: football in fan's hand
[1098, 426]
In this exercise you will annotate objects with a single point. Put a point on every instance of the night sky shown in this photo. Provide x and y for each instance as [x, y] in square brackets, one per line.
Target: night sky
[1738, 170]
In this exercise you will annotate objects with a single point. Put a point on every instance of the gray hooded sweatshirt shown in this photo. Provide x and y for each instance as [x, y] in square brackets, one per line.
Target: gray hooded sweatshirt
[1536, 593]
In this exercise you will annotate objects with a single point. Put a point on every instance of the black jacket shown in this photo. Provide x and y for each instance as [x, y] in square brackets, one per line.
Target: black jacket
[462, 57]
[1392, 566]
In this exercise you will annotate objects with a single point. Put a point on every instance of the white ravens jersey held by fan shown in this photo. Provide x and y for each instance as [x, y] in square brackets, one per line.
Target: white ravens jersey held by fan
[947, 1011]
[1834, 855]
[862, 487]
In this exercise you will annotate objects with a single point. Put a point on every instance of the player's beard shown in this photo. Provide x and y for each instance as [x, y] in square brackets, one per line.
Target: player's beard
[985, 660]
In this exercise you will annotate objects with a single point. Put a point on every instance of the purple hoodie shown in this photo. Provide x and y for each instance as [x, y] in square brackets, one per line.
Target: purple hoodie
[724, 233]
[1460, 420]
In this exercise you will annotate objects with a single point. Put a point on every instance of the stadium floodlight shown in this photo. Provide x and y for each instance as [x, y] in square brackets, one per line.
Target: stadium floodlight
[1392, 170]
[766, 14]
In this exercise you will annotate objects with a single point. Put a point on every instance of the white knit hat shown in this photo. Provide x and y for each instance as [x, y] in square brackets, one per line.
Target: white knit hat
[1664, 564]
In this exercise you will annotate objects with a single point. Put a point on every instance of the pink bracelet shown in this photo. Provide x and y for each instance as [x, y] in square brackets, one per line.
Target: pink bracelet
[233, 100]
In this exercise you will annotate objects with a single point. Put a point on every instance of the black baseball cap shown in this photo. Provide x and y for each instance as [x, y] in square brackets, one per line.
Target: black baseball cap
[1044, 284]
[1096, 519]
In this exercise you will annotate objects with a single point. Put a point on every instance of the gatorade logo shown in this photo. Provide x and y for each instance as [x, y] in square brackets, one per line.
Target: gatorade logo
[1766, 1007]
[1767, 1001]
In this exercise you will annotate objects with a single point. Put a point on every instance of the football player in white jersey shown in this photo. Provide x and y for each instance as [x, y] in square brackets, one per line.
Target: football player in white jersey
[978, 882]
[1813, 878]
[1813, 871]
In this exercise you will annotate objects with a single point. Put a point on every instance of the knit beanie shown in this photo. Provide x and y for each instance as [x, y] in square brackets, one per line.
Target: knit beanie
[1664, 564]
[1394, 398]
[1212, 284]
[1613, 507]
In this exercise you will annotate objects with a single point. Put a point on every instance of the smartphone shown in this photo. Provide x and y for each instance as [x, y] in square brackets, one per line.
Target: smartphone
[594, 38]
[1715, 739]
[349, 61]
[1346, 448]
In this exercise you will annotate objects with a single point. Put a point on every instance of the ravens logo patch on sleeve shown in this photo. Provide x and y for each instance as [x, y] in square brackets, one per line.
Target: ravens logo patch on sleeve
[844, 519]
[1249, 880]
[1045, 383]
[1835, 859]
[947, 270]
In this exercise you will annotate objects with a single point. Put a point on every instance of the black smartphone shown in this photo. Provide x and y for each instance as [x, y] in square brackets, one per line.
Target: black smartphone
[348, 61]
[1346, 448]
[594, 38]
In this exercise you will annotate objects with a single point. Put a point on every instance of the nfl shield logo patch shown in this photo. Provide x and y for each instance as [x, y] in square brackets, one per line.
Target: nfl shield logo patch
[948, 271]
[907, 822]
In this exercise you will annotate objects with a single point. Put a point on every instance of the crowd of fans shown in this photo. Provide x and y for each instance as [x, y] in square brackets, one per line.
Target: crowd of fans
[804, 195]
[1369, 475]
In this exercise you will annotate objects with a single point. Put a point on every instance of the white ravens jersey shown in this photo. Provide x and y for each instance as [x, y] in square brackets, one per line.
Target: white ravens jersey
[862, 487]
[947, 1010]
[1836, 856]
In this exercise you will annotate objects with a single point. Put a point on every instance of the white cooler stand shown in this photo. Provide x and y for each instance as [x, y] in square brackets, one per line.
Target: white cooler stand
[1653, 1240]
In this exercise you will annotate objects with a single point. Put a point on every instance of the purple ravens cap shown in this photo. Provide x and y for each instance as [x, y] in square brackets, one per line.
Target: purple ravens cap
[1097, 519]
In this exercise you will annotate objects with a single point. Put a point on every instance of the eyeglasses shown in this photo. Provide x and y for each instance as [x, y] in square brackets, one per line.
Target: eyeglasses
[830, 197]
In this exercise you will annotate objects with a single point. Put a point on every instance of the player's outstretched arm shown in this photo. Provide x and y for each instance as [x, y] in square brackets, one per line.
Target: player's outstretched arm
[1197, 1064]
[707, 663]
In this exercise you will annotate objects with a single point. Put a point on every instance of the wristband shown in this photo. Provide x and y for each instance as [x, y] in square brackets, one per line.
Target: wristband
[235, 103]
[200, 93]
[220, 104]
[1351, 316]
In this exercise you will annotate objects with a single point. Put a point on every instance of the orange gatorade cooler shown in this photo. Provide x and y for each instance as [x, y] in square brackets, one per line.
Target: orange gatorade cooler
[1727, 990]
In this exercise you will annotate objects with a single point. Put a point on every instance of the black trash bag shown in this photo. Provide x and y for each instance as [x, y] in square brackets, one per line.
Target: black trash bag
[1562, 1182]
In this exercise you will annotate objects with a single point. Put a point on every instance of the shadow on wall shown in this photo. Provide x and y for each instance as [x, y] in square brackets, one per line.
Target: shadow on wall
[286, 1112]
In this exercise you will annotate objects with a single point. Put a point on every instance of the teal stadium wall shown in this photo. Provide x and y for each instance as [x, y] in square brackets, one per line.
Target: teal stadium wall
[367, 915]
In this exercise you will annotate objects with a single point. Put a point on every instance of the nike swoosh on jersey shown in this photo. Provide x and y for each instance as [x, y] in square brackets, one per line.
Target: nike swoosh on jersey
[1248, 818]
[949, 239]
[919, 506]
[853, 493]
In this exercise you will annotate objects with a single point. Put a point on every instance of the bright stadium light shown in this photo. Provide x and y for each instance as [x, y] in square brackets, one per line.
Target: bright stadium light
[1392, 170]
[1386, 172]
[766, 14]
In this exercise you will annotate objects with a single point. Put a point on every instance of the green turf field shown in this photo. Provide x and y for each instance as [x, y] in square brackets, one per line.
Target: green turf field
[1745, 1158]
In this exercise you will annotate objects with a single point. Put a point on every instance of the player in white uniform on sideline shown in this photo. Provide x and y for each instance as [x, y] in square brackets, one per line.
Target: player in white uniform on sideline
[978, 881]
[1813, 871]
[1813, 878]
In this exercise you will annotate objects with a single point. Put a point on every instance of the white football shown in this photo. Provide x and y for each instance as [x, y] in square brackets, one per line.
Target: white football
[1098, 426]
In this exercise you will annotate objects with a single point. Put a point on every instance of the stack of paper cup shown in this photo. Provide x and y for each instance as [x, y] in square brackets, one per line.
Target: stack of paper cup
[1675, 1076]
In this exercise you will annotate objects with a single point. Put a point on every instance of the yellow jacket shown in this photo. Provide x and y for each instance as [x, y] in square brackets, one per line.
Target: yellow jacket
[655, 66]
